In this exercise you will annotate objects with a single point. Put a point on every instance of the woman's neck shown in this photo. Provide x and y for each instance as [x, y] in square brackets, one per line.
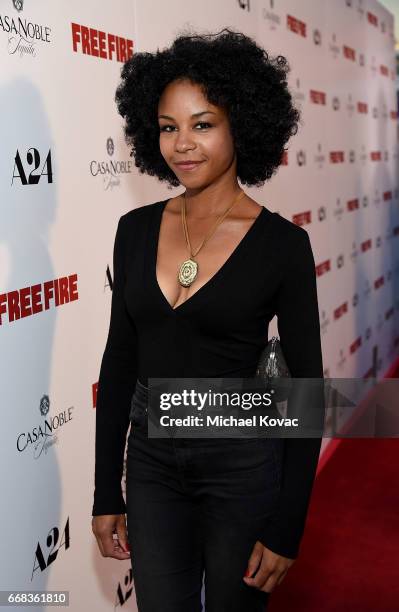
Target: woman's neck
[207, 202]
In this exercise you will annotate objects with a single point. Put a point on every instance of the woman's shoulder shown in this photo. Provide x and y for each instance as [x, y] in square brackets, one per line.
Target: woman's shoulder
[282, 228]
[288, 228]
[140, 214]
[287, 232]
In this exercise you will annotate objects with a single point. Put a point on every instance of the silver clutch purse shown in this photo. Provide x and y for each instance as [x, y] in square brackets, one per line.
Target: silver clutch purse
[271, 365]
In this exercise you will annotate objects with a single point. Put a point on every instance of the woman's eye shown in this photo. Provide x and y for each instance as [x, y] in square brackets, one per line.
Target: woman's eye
[204, 123]
[164, 128]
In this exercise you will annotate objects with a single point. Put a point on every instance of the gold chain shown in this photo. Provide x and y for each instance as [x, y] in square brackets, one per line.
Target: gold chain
[213, 229]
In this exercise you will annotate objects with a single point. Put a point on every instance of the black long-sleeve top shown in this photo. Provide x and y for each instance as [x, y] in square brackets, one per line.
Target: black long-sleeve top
[219, 331]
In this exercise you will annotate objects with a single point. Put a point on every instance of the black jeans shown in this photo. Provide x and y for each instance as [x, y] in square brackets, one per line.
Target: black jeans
[194, 507]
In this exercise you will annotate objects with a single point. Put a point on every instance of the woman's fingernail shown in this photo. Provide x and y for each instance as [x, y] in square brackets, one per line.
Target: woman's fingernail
[247, 573]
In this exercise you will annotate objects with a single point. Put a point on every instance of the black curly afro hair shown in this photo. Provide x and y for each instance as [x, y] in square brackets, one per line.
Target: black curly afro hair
[234, 73]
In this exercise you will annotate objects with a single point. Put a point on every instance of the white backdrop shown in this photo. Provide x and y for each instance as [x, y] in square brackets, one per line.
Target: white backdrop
[66, 177]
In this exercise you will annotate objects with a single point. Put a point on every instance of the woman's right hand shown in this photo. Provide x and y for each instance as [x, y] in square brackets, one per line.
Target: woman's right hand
[103, 527]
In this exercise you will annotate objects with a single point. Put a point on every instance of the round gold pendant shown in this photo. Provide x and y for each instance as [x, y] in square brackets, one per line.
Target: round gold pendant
[187, 272]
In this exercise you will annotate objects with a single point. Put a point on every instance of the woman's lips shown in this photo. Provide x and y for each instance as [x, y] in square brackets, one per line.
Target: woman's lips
[190, 166]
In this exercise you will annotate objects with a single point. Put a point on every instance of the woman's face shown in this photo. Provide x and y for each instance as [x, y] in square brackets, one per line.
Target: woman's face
[188, 133]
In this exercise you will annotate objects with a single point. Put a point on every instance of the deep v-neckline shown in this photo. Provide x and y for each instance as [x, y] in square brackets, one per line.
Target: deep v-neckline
[157, 220]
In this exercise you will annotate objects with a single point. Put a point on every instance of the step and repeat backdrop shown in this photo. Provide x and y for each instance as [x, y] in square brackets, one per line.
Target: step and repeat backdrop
[66, 177]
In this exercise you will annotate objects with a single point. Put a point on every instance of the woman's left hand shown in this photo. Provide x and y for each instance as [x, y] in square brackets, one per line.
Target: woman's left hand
[271, 568]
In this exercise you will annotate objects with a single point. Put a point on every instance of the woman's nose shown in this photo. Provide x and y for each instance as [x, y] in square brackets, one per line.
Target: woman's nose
[184, 141]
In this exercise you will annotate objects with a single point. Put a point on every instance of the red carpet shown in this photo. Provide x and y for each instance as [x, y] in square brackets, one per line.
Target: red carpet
[349, 558]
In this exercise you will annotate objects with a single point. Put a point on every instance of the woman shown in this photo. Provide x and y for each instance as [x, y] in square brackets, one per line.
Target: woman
[202, 114]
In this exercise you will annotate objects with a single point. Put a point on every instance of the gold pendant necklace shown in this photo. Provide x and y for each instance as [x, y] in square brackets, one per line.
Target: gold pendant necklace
[188, 270]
